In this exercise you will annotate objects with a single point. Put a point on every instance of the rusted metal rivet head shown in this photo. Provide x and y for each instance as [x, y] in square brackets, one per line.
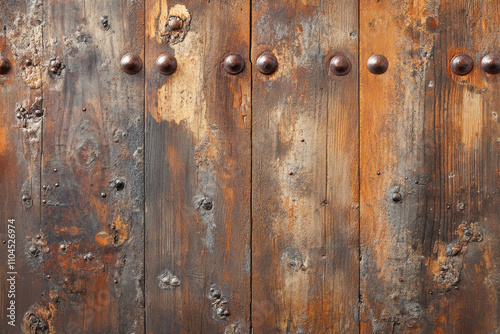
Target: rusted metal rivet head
[119, 184]
[84, 109]
[131, 63]
[48, 276]
[461, 64]
[39, 112]
[55, 170]
[491, 63]
[166, 64]
[397, 197]
[267, 63]
[28, 62]
[5, 65]
[56, 185]
[38, 236]
[62, 247]
[174, 23]
[115, 281]
[103, 195]
[234, 64]
[377, 64]
[44, 201]
[340, 65]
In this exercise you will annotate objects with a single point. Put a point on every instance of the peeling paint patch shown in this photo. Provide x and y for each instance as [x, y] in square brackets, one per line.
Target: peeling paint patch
[38, 319]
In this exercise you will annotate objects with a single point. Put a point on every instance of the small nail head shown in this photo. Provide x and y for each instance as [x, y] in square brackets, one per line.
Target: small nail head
[340, 65]
[39, 112]
[103, 195]
[397, 197]
[166, 64]
[131, 63]
[267, 63]
[461, 64]
[491, 63]
[377, 64]
[5, 65]
[234, 64]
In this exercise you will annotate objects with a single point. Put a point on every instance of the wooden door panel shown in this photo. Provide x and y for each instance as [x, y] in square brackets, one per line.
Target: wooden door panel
[429, 169]
[304, 169]
[198, 123]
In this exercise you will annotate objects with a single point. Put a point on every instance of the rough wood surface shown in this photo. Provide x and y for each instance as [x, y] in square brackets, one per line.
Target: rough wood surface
[198, 170]
[429, 262]
[305, 176]
[20, 148]
[93, 134]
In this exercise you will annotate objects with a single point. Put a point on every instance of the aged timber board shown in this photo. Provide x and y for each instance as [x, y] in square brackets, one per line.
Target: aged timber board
[304, 169]
[80, 236]
[198, 164]
[430, 205]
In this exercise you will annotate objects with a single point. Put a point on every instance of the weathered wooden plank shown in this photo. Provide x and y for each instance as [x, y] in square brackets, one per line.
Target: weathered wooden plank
[20, 147]
[430, 261]
[198, 169]
[93, 135]
[305, 169]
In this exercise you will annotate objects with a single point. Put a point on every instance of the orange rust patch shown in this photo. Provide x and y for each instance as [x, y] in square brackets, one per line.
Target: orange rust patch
[120, 232]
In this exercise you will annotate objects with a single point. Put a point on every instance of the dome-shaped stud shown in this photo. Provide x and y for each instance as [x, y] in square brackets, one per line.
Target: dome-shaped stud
[267, 63]
[166, 64]
[340, 65]
[234, 64]
[377, 64]
[5, 66]
[461, 64]
[491, 63]
[131, 63]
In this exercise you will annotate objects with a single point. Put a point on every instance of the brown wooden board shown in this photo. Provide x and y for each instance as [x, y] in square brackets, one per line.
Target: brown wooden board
[305, 169]
[93, 135]
[197, 157]
[430, 261]
[20, 148]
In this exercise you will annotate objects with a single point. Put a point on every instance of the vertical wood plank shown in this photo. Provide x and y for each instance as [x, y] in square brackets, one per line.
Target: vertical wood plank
[198, 169]
[93, 135]
[305, 169]
[20, 147]
[430, 261]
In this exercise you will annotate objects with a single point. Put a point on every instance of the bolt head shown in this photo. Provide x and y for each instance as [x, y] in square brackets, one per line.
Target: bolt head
[5, 65]
[461, 64]
[234, 64]
[377, 64]
[175, 23]
[119, 184]
[340, 65]
[491, 63]
[131, 63]
[267, 63]
[166, 64]
[397, 197]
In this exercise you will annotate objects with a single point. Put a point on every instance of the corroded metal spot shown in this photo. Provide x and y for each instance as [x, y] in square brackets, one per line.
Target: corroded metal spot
[174, 28]
[220, 308]
[55, 67]
[168, 281]
[38, 319]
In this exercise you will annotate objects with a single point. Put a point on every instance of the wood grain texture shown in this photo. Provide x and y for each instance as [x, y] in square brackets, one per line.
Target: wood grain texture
[20, 148]
[93, 135]
[198, 170]
[305, 169]
[430, 262]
